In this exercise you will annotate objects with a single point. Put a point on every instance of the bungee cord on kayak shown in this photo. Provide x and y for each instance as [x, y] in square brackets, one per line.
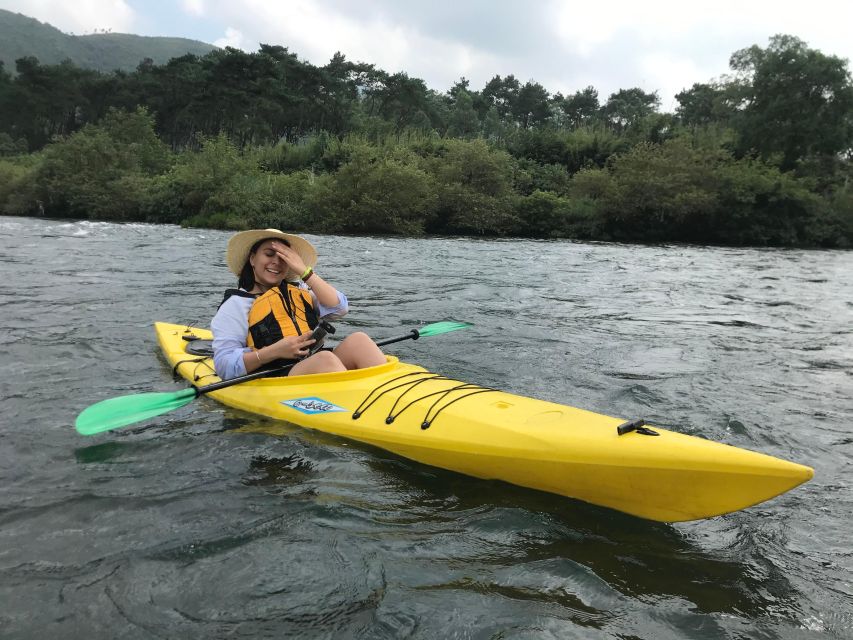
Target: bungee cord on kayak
[427, 421]
[201, 361]
[368, 402]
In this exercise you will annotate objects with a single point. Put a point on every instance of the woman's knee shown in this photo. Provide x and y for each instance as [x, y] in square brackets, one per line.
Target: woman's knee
[359, 338]
[328, 360]
[358, 350]
[320, 362]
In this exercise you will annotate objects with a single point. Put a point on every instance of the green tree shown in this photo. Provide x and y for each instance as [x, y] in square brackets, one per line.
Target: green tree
[493, 128]
[574, 149]
[626, 107]
[582, 108]
[531, 107]
[703, 104]
[792, 101]
[400, 99]
[463, 119]
[45, 101]
[502, 94]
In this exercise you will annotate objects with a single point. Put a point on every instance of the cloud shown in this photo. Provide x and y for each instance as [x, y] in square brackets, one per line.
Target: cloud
[565, 45]
[193, 7]
[78, 17]
[658, 45]
[233, 38]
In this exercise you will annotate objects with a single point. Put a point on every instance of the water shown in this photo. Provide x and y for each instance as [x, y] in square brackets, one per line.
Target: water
[188, 528]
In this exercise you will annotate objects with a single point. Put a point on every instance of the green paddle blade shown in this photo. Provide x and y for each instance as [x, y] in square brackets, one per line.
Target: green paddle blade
[437, 328]
[122, 411]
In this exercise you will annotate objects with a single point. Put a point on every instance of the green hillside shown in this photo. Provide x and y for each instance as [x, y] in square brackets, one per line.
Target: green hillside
[23, 36]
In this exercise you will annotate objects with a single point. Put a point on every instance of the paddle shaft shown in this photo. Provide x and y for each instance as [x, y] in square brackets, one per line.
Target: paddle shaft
[414, 334]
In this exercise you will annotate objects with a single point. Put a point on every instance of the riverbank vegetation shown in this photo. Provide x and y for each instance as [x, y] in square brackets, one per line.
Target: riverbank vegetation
[237, 140]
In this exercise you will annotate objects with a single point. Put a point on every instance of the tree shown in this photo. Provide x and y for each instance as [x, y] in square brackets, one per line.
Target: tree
[501, 93]
[628, 106]
[703, 104]
[531, 108]
[339, 93]
[401, 99]
[463, 119]
[48, 101]
[793, 101]
[581, 108]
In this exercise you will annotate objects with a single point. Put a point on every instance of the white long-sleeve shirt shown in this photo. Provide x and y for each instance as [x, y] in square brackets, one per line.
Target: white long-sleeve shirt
[230, 328]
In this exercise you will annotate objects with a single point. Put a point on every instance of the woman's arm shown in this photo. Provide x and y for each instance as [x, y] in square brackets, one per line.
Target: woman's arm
[230, 328]
[339, 310]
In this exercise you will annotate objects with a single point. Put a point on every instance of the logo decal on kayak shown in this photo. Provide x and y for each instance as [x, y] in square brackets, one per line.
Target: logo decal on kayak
[313, 405]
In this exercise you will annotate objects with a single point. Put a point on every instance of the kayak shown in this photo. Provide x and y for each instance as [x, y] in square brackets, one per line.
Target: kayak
[629, 466]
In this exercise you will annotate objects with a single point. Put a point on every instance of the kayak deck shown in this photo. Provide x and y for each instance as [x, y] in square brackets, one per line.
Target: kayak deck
[492, 434]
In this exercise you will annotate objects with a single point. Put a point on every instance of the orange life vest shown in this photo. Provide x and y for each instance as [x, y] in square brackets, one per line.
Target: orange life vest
[283, 311]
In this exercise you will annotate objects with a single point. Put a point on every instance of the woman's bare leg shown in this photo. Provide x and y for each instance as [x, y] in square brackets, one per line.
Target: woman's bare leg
[320, 362]
[358, 351]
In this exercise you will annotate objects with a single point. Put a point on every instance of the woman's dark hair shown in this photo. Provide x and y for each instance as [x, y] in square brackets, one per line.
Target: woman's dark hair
[247, 274]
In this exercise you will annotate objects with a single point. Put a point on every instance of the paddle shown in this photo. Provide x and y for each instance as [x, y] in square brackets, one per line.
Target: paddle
[124, 410]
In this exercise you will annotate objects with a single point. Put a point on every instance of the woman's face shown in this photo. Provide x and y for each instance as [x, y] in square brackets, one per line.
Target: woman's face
[269, 269]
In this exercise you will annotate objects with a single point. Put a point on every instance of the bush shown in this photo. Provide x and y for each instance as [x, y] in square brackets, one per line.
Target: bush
[663, 191]
[546, 215]
[18, 193]
[103, 171]
[473, 187]
[371, 193]
[835, 227]
[287, 157]
[530, 176]
[10, 146]
[761, 205]
[573, 149]
[219, 220]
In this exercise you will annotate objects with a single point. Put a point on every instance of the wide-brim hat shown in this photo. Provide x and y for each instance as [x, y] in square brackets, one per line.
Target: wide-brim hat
[241, 244]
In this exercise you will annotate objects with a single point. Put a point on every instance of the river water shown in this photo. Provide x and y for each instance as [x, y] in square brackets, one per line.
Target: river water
[194, 526]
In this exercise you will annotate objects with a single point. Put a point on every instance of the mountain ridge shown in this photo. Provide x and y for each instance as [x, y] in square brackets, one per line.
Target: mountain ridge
[22, 36]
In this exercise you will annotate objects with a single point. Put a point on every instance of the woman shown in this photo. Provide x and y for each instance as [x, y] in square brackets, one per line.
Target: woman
[280, 299]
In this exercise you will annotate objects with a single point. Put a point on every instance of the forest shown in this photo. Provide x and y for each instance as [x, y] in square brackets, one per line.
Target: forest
[761, 156]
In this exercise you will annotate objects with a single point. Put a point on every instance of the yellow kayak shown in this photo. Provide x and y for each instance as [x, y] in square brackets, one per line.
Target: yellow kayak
[645, 471]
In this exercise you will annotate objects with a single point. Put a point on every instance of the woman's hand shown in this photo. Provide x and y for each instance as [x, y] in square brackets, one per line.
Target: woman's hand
[290, 348]
[290, 257]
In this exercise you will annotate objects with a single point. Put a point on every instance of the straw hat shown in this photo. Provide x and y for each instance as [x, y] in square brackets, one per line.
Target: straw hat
[241, 243]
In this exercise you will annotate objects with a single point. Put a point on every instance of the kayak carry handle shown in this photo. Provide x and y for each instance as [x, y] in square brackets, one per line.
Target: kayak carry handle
[637, 425]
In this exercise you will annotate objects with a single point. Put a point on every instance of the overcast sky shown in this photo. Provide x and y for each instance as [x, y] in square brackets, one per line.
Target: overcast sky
[657, 45]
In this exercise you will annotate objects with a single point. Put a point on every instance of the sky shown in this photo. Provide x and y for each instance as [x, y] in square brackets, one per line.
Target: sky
[656, 45]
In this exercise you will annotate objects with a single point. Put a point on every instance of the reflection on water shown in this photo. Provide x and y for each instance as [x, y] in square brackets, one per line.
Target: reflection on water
[212, 522]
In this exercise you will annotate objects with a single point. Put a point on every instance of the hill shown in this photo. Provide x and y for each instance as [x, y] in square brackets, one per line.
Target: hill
[23, 36]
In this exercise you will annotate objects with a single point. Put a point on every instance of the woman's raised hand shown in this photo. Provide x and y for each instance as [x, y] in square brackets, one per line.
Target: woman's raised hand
[289, 257]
